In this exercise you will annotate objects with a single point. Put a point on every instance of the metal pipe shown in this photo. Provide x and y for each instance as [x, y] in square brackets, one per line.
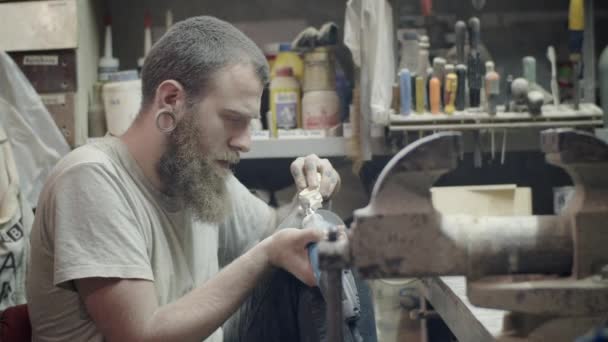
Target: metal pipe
[461, 245]
[503, 245]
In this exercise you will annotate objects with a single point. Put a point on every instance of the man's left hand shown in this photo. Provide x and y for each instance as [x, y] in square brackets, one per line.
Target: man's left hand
[305, 172]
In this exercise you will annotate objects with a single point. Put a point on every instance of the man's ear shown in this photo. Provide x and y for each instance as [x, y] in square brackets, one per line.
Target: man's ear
[171, 95]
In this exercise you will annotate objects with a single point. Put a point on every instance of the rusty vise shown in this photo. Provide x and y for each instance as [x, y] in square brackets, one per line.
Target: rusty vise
[549, 266]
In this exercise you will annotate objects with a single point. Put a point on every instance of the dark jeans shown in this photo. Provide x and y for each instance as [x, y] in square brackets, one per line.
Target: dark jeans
[282, 309]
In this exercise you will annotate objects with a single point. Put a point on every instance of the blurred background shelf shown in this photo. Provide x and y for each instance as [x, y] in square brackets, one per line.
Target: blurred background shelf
[327, 147]
[589, 115]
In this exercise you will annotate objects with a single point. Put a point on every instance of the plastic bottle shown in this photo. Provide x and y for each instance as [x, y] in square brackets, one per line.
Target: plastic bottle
[121, 102]
[492, 87]
[287, 58]
[409, 51]
[147, 40]
[451, 89]
[284, 100]
[107, 63]
[405, 83]
[435, 95]
[529, 69]
[320, 103]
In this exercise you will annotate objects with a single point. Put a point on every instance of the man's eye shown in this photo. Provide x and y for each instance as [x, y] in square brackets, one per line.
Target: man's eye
[233, 118]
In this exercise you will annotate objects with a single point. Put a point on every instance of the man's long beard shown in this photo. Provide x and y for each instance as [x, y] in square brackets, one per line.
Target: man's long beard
[186, 172]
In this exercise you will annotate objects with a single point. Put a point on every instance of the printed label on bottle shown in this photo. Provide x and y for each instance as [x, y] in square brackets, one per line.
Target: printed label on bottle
[287, 109]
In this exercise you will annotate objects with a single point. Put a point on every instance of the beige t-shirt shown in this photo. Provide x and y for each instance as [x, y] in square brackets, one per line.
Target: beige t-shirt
[98, 216]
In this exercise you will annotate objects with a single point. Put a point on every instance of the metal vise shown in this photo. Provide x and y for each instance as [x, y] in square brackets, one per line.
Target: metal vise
[537, 266]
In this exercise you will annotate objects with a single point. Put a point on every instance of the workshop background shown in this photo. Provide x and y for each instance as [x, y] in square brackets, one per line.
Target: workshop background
[69, 74]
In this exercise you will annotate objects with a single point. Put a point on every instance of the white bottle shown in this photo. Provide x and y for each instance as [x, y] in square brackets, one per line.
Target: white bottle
[320, 109]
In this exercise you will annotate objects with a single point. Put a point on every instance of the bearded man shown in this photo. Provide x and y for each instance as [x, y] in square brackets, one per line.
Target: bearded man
[130, 231]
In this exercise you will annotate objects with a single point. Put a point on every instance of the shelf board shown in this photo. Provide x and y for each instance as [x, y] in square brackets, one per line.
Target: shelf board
[293, 148]
[553, 116]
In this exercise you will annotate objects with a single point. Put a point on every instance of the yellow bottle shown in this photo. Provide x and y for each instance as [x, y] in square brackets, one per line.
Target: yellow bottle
[288, 58]
[451, 88]
[285, 101]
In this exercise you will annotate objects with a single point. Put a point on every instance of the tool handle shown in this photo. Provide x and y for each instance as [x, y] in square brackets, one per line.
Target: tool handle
[435, 94]
[461, 91]
[451, 87]
[405, 83]
[509, 94]
[420, 94]
[576, 27]
[492, 91]
[474, 33]
[427, 7]
[461, 29]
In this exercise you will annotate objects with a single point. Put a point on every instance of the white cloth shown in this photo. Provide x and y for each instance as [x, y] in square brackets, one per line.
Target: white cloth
[16, 219]
[98, 216]
[37, 142]
[368, 33]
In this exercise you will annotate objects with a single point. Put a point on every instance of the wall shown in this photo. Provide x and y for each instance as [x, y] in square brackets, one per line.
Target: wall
[128, 16]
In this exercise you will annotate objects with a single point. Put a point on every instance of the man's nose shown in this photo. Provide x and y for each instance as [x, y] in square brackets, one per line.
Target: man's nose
[241, 142]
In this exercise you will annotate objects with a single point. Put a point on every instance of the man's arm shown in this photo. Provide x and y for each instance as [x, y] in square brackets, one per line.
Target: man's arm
[127, 310]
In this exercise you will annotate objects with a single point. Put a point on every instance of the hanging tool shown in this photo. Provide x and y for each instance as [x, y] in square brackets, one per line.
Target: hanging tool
[477, 157]
[427, 7]
[423, 65]
[413, 105]
[461, 91]
[551, 55]
[503, 149]
[576, 28]
[461, 32]
[479, 4]
[492, 88]
[474, 63]
[439, 65]
[420, 91]
[508, 93]
[429, 75]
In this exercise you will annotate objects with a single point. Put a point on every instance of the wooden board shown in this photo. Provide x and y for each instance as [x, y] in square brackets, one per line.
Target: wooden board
[467, 322]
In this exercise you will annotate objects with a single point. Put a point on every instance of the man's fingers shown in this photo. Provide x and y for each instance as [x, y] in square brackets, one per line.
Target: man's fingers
[329, 178]
[297, 171]
[309, 235]
[311, 166]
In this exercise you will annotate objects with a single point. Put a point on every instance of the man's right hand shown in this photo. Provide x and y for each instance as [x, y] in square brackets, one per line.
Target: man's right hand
[286, 249]
[128, 309]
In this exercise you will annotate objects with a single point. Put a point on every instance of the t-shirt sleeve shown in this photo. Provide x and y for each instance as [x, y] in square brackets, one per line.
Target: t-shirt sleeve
[250, 220]
[95, 231]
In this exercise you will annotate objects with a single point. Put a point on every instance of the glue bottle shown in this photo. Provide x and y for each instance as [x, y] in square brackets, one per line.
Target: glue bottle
[285, 101]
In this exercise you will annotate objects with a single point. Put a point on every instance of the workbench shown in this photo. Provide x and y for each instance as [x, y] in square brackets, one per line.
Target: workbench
[468, 323]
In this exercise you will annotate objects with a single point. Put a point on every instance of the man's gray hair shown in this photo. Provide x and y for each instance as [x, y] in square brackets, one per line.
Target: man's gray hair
[192, 51]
